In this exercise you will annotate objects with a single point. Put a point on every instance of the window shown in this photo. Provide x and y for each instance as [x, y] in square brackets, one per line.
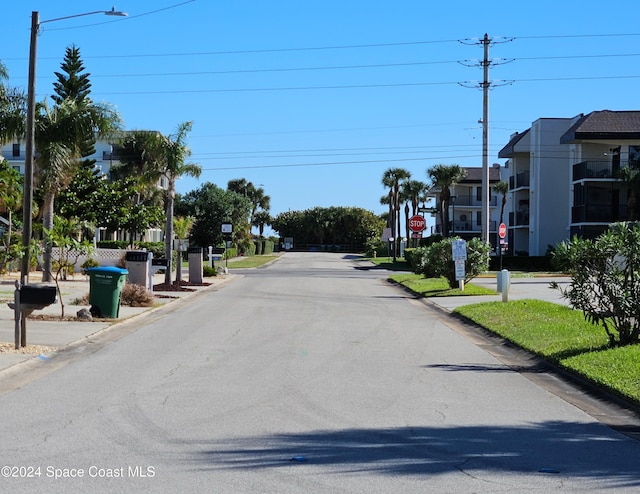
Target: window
[634, 156]
[16, 149]
[479, 194]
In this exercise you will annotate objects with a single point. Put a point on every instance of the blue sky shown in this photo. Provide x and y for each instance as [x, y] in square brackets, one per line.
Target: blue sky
[314, 100]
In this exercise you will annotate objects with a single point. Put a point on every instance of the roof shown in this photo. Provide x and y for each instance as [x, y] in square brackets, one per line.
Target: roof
[474, 174]
[509, 149]
[604, 124]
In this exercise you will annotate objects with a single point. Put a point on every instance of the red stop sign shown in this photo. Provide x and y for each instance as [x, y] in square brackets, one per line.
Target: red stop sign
[417, 223]
[502, 230]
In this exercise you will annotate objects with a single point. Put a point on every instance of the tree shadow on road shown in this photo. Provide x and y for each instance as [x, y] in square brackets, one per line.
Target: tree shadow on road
[575, 450]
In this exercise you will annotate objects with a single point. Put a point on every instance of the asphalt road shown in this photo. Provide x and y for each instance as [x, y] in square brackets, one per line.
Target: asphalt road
[307, 376]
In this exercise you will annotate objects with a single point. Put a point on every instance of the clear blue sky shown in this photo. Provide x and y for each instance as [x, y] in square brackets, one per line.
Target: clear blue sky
[314, 100]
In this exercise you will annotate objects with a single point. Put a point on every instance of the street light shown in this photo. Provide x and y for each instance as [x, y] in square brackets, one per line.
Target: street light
[28, 159]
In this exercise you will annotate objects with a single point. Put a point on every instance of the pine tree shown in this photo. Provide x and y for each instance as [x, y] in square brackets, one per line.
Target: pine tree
[73, 84]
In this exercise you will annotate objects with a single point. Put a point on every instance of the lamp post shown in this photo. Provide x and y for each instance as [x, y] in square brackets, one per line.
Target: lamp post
[28, 158]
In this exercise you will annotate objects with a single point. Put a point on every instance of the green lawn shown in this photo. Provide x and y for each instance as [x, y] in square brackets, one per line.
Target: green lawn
[248, 262]
[553, 331]
[561, 335]
[433, 287]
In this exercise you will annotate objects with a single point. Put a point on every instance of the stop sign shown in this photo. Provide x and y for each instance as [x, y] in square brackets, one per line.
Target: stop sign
[502, 230]
[417, 223]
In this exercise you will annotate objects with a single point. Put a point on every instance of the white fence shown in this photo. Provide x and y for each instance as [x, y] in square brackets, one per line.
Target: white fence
[104, 257]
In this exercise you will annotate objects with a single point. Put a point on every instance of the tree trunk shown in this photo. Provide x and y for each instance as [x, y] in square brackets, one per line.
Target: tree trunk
[47, 224]
[168, 231]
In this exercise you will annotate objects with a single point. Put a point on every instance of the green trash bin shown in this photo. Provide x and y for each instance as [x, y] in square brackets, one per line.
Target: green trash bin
[105, 289]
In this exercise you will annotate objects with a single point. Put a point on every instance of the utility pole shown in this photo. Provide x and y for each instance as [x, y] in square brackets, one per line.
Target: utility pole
[486, 84]
[486, 192]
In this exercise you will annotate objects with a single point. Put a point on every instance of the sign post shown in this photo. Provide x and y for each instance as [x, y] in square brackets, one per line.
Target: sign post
[227, 229]
[459, 254]
[417, 225]
[502, 233]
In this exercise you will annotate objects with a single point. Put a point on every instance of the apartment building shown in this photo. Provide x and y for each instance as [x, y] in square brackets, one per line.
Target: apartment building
[465, 206]
[565, 177]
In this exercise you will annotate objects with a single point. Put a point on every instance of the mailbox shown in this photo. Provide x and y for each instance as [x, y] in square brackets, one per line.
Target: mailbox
[161, 263]
[37, 297]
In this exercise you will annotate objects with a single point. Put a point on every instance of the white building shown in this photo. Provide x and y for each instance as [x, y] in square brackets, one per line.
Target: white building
[105, 156]
[465, 206]
[564, 177]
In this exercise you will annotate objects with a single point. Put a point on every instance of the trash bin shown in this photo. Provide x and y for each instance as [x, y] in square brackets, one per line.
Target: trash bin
[105, 289]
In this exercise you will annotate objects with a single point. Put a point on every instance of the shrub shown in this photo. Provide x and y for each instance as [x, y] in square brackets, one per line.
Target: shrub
[437, 260]
[89, 263]
[604, 280]
[136, 296]
[208, 271]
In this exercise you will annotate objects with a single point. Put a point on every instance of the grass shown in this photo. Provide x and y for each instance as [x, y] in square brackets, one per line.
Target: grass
[248, 262]
[437, 287]
[562, 336]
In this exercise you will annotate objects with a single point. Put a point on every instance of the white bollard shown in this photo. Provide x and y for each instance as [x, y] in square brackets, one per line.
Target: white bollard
[504, 283]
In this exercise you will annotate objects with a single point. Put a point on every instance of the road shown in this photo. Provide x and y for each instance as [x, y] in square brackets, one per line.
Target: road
[309, 375]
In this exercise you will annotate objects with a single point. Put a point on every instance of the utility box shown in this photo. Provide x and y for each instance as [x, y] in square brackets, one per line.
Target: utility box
[138, 264]
[195, 265]
[105, 290]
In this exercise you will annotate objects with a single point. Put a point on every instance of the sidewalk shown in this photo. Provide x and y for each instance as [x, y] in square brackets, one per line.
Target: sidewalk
[44, 336]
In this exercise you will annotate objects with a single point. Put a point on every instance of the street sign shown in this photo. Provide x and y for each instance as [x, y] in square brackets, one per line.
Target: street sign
[227, 228]
[459, 268]
[417, 223]
[502, 230]
[459, 250]
[416, 235]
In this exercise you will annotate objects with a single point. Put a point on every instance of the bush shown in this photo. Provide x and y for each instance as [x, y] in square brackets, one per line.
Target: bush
[89, 263]
[112, 244]
[437, 260]
[208, 271]
[136, 296]
[604, 280]
[267, 247]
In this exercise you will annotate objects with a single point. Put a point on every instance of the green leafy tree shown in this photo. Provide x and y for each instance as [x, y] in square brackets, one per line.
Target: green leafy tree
[60, 134]
[443, 178]
[436, 260]
[211, 206]
[64, 238]
[339, 226]
[605, 280]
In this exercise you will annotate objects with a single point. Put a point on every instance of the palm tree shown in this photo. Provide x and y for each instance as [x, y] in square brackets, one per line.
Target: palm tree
[412, 191]
[174, 151]
[262, 219]
[60, 132]
[630, 177]
[392, 178]
[444, 177]
[182, 225]
[502, 188]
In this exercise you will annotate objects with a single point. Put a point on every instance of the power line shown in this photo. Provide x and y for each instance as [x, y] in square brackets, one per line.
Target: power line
[297, 165]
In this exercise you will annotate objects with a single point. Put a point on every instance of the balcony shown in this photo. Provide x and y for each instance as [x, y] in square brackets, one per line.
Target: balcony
[470, 200]
[519, 218]
[598, 213]
[595, 170]
[519, 180]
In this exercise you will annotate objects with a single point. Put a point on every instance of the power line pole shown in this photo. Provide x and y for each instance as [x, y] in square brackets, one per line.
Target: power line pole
[486, 84]
[486, 193]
